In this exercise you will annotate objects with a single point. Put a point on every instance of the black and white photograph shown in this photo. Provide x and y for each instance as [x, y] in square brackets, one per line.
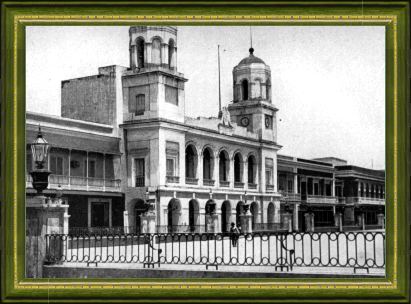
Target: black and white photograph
[158, 151]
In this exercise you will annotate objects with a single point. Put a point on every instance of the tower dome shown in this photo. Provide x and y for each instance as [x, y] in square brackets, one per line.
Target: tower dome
[251, 58]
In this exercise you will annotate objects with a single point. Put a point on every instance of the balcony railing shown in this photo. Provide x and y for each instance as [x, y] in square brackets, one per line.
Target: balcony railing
[365, 200]
[269, 188]
[78, 182]
[252, 186]
[140, 181]
[172, 179]
[321, 199]
[238, 185]
[191, 181]
[208, 182]
[224, 184]
[290, 196]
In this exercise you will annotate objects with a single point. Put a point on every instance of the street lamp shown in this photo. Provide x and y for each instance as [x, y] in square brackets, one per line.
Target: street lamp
[40, 175]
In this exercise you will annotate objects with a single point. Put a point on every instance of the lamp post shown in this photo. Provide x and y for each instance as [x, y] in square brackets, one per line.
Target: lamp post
[40, 175]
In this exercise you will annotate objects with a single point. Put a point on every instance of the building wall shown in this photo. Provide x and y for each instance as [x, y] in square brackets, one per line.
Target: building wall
[94, 98]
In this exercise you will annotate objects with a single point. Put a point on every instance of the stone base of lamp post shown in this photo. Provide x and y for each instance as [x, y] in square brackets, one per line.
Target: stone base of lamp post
[309, 222]
[148, 222]
[211, 223]
[43, 216]
[246, 222]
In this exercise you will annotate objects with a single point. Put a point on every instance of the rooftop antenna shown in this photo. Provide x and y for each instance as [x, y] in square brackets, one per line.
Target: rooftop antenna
[251, 42]
[220, 113]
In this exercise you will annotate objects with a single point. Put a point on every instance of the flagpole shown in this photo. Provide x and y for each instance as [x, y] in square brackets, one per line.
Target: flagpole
[220, 113]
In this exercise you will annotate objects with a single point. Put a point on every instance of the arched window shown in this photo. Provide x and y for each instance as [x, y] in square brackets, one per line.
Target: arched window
[207, 166]
[244, 89]
[237, 168]
[268, 89]
[156, 51]
[140, 52]
[140, 104]
[171, 59]
[223, 166]
[191, 163]
[251, 169]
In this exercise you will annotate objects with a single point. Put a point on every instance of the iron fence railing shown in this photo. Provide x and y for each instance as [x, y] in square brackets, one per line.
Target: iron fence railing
[357, 250]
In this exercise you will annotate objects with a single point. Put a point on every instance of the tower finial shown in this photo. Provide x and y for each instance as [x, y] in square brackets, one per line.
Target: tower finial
[251, 49]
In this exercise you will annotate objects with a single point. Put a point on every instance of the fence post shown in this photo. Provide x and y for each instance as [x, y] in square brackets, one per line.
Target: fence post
[51, 218]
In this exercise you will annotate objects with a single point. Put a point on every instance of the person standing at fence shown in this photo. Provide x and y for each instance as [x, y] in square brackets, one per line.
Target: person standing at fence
[234, 234]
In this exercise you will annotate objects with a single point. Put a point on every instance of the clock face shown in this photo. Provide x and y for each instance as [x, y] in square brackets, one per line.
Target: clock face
[245, 121]
[267, 122]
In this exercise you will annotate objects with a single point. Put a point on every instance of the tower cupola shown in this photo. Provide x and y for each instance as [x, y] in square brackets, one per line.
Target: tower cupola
[153, 46]
[252, 79]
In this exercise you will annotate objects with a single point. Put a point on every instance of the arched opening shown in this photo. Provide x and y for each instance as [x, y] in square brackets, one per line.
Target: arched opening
[244, 89]
[171, 54]
[223, 166]
[239, 209]
[191, 163]
[268, 89]
[210, 209]
[252, 170]
[207, 166]
[270, 215]
[225, 216]
[140, 208]
[140, 52]
[238, 168]
[254, 212]
[156, 51]
[193, 212]
[174, 211]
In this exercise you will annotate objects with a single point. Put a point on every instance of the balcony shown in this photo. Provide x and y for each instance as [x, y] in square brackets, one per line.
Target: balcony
[365, 200]
[79, 183]
[208, 182]
[172, 179]
[269, 188]
[238, 185]
[290, 196]
[321, 199]
[252, 186]
[140, 181]
[224, 184]
[191, 181]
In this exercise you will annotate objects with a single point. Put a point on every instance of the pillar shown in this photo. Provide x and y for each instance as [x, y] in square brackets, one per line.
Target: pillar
[199, 173]
[295, 183]
[381, 220]
[295, 216]
[125, 221]
[246, 221]
[288, 222]
[216, 171]
[309, 222]
[245, 174]
[43, 217]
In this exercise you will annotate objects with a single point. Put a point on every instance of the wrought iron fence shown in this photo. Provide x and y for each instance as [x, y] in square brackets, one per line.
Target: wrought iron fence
[358, 250]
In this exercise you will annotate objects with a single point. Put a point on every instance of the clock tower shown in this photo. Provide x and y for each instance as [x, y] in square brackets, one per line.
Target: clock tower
[252, 105]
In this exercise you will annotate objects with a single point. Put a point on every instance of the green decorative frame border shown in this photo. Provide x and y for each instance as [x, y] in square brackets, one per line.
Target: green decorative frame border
[16, 15]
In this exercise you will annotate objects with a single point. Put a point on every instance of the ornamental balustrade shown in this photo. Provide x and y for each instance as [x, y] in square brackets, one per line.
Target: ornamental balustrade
[355, 250]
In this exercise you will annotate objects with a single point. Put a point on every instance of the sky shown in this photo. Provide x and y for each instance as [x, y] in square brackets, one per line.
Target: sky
[328, 82]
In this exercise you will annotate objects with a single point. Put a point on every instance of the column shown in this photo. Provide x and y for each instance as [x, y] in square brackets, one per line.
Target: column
[295, 216]
[231, 172]
[133, 56]
[333, 187]
[199, 172]
[87, 169]
[104, 171]
[295, 183]
[125, 221]
[216, 171]
[110, 215]
[69, 169]
[245, 174]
